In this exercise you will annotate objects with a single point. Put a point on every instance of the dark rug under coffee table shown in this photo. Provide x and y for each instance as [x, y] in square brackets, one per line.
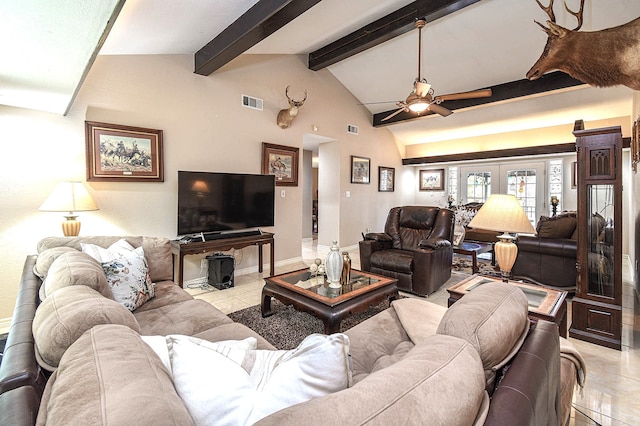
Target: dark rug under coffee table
[286, 328]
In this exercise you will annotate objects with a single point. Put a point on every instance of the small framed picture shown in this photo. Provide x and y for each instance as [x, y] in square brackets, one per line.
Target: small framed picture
[386, 179]
[360, 169]
[432, 180]
[123, 153]
[574, 174]
[282, 162]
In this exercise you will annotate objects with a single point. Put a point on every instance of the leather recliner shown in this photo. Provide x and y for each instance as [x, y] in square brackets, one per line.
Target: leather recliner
[415, 248]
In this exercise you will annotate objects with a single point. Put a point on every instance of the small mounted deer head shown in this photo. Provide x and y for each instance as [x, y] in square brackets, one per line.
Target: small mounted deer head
[601, 58]
[286, 116]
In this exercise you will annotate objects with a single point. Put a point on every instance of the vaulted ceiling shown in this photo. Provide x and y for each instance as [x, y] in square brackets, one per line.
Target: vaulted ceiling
[467, 44]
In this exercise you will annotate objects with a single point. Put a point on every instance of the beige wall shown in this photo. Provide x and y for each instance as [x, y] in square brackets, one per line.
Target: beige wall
[205, 129]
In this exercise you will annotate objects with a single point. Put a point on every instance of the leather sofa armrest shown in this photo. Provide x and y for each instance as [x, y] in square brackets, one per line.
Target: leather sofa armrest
[378, 236]
[434, 243]
[532, 381]
[367, 247]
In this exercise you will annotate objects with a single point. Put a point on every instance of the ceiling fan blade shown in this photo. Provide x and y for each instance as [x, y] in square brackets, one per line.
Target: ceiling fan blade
[375, 103]
[474, 94]
[438, 109]
[394, 114]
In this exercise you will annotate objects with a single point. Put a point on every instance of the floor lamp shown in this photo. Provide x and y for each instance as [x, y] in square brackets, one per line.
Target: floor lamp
[503, 213]
[69, 197]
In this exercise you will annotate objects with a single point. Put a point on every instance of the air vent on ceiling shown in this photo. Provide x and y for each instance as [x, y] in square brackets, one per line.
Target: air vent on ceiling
[352, 129]
[251, 102]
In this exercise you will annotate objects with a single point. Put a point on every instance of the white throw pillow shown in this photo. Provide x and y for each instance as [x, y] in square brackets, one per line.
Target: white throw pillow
[161, 345]
[128, 277]
[230, 386]
[114, 251]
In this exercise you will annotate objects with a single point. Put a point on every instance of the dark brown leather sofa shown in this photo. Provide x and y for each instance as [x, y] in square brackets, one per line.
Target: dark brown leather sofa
[415, 248]
[549, 258]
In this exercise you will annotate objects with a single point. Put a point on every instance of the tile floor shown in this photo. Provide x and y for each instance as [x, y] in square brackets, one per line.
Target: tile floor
[611, 396]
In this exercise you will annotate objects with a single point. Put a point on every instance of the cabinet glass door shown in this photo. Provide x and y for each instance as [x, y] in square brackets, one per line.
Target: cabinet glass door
[600, 237]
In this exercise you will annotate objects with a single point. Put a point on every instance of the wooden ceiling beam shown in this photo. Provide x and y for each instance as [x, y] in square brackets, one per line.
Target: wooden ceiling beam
[397, 23]
[259, 22]
[556, 80]
[562, 148]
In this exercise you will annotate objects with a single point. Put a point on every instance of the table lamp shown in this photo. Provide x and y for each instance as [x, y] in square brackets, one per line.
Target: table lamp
[69, 197]
[503, 213]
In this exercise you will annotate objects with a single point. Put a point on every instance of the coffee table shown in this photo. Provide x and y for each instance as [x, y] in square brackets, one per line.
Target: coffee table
[473, 249]
[313, 295]
[544, 303]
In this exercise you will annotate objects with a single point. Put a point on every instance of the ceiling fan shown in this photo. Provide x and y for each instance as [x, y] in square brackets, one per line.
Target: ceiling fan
[421, 98]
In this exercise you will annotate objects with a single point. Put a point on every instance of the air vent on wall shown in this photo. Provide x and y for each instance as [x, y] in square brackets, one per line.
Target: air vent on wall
[251, 102]
[352, 129]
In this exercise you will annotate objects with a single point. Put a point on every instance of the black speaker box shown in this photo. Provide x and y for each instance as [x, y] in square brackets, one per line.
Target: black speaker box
[221, 270]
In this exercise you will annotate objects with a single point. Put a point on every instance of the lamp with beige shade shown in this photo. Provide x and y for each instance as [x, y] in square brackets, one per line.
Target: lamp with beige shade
[503, 213]
[69, 197]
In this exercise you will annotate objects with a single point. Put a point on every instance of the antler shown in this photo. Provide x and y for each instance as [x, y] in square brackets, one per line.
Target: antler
[552, 16]
[577, 14]
[286, 93]
[549, 10]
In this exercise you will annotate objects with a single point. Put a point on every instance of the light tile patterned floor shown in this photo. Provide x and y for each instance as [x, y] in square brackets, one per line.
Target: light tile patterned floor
[611, 395]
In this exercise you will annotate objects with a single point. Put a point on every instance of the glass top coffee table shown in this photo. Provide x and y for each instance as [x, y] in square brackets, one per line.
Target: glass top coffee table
[473, 249]
[307, 293]
[544, 303]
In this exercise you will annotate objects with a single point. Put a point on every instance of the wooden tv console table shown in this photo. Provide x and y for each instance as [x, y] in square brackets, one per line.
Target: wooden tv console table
[179, 251]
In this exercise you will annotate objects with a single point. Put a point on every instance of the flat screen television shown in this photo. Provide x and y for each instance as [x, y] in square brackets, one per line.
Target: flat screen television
[219, 202]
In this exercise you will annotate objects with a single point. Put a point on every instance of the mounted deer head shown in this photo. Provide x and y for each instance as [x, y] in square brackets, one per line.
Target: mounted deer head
[286, 116]
[600, 58]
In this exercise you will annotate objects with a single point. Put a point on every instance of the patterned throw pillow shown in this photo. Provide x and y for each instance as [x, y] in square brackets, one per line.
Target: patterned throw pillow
[128, 277]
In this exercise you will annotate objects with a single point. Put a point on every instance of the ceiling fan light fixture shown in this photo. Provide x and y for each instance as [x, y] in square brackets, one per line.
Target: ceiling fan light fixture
[419, 106]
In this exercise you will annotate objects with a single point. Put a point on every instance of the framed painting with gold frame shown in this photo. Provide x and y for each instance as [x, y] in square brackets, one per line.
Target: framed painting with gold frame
[120, 153]
[282, 162]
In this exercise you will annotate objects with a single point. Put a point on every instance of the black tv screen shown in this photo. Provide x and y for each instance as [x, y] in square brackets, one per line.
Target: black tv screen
[218, 202]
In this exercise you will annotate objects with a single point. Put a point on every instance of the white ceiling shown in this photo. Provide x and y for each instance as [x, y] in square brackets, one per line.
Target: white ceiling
[488, 43]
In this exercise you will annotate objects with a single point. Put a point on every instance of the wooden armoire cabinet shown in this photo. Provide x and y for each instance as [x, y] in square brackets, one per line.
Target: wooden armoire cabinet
[597, 305]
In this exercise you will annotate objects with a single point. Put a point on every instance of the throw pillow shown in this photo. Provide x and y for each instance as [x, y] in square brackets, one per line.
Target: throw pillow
[222, 385]
[128, 277]
[114, 251]
[560, 226]
[161, 344]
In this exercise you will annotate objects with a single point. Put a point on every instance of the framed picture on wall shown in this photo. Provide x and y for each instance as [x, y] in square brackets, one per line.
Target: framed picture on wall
[386, 179]
[123, 153]
[282, 162]
[432, 180]
[360, 169]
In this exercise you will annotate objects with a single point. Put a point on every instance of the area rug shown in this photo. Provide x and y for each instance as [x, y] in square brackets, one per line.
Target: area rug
[286, 328]
[464, 264]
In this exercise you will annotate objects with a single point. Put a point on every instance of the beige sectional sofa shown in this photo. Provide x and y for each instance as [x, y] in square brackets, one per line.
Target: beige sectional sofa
[415, 363]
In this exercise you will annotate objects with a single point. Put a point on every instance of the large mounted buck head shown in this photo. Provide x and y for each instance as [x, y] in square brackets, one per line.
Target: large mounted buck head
[553, 55]
[286, 116]
[600, 58]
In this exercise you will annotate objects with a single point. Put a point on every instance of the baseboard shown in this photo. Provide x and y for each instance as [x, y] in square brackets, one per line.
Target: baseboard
[265, 267]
